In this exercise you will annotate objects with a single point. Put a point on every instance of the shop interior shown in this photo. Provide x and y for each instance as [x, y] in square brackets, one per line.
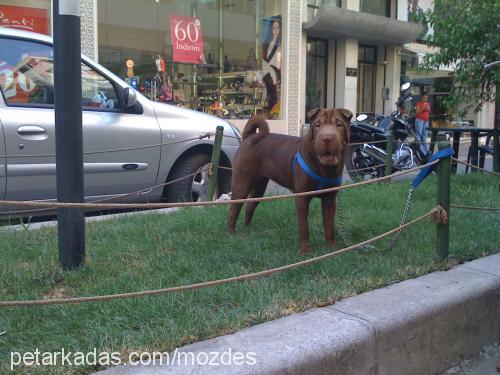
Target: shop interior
[237, 77]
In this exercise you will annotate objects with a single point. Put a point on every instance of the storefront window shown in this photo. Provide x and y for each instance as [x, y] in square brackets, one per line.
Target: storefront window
[378, 7]
[316, 78]
[27, 15]
[367, 58]
[217, 56]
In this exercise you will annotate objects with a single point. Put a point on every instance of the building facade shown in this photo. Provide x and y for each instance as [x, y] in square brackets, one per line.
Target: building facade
[239, 58]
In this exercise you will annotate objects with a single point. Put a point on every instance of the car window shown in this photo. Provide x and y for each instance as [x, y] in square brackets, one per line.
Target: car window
[26, 72]
[97, 91]
[27, 77]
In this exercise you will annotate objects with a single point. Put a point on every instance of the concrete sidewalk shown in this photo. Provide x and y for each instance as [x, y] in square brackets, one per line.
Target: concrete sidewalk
[419, 326]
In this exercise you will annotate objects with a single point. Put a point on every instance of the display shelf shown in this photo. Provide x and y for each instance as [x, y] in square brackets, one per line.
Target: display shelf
[211, 84]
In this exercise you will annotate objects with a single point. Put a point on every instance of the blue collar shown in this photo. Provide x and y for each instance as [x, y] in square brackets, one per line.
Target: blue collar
[321, 182]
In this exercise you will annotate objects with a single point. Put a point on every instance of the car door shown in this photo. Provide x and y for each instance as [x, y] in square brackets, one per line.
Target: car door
[121, 148]
[3, 164]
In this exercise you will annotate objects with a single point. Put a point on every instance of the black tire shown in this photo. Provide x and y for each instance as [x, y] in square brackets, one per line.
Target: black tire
[355, 161]
[191, 189]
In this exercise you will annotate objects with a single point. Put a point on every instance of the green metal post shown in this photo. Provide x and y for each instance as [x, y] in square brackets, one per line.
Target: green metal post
[443, 199]
[212, 181]
[496, 151]
[388, 159]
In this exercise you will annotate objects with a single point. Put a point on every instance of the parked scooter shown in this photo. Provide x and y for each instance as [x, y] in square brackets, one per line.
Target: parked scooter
[367, 160]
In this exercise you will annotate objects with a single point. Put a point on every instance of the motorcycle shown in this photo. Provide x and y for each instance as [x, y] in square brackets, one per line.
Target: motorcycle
[367, 160]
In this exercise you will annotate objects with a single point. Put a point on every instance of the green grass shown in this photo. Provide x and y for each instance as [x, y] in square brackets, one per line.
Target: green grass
[157, 251]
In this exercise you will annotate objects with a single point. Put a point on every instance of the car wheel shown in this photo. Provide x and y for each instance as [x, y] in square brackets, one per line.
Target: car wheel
[195, 188]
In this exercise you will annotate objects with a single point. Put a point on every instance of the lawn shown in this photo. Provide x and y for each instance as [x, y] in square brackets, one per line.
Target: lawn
[192, 245]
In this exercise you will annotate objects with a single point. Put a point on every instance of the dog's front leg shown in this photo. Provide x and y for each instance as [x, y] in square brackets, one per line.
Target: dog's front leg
[328, 208]
[302, 206]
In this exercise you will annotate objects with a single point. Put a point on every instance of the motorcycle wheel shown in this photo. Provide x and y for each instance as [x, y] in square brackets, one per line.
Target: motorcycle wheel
[361, 166]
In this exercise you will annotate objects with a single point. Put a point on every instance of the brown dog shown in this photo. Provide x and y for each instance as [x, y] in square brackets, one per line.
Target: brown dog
[299, 164]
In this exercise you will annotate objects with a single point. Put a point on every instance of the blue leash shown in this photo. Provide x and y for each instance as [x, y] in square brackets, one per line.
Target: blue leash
[444, 153]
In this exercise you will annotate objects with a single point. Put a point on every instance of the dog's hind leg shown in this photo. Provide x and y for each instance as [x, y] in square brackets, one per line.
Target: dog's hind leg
[240, 190]
[258, 191]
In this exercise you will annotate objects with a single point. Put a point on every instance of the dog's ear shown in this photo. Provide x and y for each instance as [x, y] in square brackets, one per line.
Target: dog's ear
[346, 113]
[312, 114]
[348, 116]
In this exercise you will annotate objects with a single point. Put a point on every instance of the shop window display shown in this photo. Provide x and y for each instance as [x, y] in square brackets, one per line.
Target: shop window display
[221, 57]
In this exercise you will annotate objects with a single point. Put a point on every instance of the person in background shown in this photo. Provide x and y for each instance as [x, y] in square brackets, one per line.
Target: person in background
[422, 113]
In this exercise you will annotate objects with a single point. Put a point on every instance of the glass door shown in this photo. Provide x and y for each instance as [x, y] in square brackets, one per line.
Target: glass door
[367, 68]
[316, 71]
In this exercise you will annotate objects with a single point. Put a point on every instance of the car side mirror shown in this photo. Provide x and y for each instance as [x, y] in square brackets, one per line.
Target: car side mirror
[129, 97]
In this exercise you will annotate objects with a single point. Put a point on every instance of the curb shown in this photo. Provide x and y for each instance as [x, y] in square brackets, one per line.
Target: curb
[419, 326]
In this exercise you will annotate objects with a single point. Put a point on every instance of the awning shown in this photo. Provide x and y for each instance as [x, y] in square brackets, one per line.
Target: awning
[332, 22]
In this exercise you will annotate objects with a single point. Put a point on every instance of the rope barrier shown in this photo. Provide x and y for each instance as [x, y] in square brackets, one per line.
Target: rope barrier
[475, 207]
[40, 204]
[232, 136]
[119, 196]
[347, 170]
[475, 166]
[158, 186]
[367, 168]
[254, 275]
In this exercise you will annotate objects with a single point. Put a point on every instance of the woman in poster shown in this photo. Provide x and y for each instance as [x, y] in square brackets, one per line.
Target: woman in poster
[271, 66]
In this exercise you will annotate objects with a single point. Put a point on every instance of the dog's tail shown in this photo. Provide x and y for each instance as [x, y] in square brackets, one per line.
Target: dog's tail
[251, 127]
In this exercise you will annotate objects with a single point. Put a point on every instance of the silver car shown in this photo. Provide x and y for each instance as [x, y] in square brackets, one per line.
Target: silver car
[127, 148]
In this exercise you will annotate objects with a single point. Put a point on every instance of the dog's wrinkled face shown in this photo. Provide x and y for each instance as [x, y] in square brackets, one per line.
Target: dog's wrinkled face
[329, 134]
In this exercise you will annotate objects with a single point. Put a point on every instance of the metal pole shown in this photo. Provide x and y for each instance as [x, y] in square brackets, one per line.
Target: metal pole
[496, 150]
[69, 139]
[388, 159]
[474, 147]
[212, 181]
[443, 199]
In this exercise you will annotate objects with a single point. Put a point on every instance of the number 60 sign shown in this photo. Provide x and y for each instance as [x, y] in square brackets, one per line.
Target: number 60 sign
[187, 39]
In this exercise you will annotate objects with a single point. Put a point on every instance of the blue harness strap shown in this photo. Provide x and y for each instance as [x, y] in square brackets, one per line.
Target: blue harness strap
[321, 182]
[427, 171]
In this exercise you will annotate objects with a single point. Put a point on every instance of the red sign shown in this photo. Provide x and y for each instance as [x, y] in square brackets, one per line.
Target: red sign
[187, 39]
[29, 19]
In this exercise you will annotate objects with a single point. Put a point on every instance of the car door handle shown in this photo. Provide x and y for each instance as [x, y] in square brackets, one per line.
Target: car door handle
[134, 166]
[33, 132]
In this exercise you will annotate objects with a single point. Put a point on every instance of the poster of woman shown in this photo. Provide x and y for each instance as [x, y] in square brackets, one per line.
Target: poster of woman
[271, 65]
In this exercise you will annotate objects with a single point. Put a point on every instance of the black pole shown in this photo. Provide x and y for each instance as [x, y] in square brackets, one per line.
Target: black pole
[69, 139]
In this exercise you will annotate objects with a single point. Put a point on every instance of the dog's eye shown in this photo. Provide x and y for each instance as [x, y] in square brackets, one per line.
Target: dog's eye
[317, 125]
